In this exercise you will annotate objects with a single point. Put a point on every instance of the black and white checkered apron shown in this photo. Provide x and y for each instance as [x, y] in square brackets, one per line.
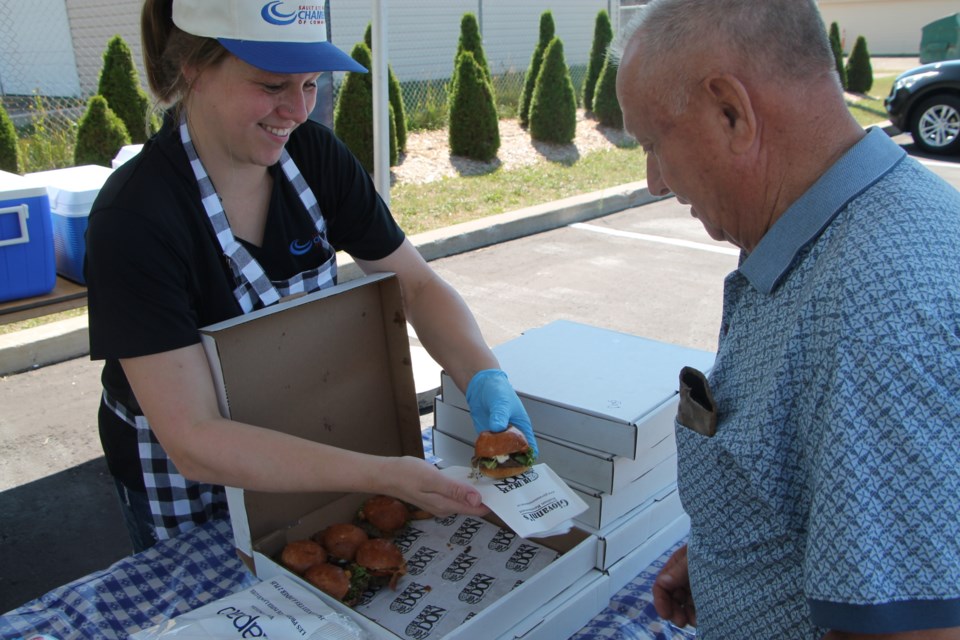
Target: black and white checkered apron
[178, 504]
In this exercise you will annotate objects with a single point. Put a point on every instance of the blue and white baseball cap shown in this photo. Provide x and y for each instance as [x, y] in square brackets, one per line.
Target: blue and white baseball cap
[273, 35]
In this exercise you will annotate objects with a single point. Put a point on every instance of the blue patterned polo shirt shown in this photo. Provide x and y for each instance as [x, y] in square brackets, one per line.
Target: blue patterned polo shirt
[829, 497]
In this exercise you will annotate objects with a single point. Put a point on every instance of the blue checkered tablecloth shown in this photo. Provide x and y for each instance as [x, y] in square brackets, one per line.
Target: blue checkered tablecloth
[170, 578]
[201, 565]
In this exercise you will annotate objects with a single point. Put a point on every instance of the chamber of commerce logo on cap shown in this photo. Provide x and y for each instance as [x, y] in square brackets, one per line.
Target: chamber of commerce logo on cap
[274, 35]
[274, 13]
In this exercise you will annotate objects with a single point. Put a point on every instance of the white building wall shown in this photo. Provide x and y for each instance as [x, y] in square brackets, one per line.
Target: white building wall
[56, 46]
[36, 55]
[422, 35]
[891, 27]
[92, 24]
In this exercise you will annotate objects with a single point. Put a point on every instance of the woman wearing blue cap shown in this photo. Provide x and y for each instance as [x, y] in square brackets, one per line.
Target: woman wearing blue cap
[237, 202]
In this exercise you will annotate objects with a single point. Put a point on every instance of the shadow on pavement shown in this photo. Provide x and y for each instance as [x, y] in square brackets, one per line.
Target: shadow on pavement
[57, 529]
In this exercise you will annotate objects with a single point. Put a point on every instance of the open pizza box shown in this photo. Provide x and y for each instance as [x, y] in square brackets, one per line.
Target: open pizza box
[335, 367]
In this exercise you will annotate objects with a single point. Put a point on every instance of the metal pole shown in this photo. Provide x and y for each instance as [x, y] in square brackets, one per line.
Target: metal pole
[323, 110]
[381, 113]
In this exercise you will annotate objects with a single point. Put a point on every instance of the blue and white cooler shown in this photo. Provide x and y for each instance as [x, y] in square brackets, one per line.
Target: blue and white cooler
[26, 239]
[72, 192]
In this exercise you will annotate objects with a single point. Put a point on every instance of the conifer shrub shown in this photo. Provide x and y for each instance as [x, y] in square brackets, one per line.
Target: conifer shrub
[547, 30]
[602, 36]
[120, 86]
[553, 110]
[471, 41]
[837, 48]
[100, 134]
[859, 69]
[353, 115]
[395, 96]
[605, 103]
[9, 144]
[474, 129]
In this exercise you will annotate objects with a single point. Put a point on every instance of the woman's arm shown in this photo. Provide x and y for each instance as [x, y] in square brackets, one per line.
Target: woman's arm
[175, 390]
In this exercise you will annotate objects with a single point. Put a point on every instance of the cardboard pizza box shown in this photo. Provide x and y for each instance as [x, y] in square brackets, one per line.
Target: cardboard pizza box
[335, 367]
[591, 386]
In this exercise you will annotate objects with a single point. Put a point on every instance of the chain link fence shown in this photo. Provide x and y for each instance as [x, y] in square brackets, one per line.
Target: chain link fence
[51, 53]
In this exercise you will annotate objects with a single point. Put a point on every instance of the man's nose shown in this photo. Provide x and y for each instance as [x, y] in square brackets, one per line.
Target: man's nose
[655, 182]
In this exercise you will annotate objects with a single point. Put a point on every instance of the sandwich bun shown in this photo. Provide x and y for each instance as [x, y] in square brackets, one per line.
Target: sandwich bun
[382, 559]
[387, 515]
[300, 555]
[329, 578]
[342, 540]
[490, 445]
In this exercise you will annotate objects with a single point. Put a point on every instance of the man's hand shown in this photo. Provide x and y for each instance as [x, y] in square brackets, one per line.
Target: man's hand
[671, 591]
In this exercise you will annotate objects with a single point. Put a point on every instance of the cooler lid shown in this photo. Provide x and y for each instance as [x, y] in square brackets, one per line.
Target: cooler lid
[16, 187]
[72, 190]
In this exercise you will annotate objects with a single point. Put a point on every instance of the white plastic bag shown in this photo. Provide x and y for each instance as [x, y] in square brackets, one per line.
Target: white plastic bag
[277, 608]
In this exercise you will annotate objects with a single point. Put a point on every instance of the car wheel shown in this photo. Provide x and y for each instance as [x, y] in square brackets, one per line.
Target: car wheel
[935, 124]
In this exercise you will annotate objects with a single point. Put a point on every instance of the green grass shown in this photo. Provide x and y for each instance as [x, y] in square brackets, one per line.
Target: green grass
[48, 142]
[424, 207]
[869, 110]
[13, 327]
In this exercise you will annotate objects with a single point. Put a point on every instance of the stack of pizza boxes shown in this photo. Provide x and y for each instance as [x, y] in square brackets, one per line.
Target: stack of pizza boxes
[603, 405]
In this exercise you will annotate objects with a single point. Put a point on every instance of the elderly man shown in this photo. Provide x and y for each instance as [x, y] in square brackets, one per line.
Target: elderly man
[820, 463]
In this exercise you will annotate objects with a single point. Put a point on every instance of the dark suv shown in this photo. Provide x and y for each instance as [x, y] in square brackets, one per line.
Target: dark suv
[925, 102]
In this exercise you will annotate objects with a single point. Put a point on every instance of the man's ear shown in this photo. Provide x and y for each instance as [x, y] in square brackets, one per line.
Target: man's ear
[733, 110]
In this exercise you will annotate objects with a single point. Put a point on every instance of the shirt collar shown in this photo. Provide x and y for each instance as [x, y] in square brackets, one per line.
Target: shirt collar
[803, 222]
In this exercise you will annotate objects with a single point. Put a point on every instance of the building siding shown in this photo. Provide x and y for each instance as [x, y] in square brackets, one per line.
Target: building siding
[890, 27]
[92, 24]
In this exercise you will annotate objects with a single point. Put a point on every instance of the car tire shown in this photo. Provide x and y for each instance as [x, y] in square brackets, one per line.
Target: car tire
[935, 124]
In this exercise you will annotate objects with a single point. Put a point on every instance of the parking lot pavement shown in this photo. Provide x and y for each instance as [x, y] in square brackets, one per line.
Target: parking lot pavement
[649, 271]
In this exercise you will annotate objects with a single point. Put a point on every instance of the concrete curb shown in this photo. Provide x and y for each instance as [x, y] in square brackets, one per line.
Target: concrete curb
[43, 345]
[67, 339]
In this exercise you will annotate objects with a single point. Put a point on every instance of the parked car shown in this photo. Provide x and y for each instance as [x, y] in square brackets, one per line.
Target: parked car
[925, 102]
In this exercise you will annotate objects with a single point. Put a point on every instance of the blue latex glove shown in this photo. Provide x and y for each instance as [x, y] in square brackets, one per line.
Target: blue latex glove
[494, 405]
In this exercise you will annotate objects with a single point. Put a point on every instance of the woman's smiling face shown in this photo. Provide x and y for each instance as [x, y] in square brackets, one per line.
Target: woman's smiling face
[242, 115]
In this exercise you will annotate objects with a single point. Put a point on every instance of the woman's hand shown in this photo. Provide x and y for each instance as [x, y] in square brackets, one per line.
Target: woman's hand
[671, 591]
[494, 406]
[420, 483]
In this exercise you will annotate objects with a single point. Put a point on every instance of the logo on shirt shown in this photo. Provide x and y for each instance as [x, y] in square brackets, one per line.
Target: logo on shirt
[302, 247]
